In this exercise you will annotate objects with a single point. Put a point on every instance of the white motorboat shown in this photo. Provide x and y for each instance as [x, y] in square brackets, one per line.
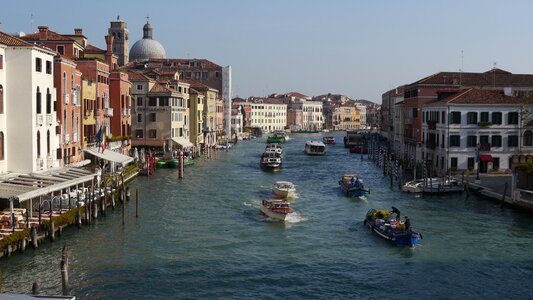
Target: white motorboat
[283, 189]
[433, 185]
[274, 148]
[277, 209]
[315, 148]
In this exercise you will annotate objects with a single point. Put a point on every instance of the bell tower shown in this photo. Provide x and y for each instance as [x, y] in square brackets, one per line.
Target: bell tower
[119, 31]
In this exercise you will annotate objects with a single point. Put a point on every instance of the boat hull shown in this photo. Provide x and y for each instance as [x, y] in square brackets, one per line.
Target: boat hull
[353, 191]
[284, 193]
[404, 239]
[392, 231]
[359, 149]
[272, 214]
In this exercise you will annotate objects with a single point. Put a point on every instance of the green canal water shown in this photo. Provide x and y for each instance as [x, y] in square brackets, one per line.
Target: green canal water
[204, 237]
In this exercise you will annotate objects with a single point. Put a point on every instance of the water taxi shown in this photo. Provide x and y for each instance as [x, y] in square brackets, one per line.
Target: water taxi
[352, 186]
[277, 209]
[284, 189]
[328, 140]
[435, 185]
[315, 148]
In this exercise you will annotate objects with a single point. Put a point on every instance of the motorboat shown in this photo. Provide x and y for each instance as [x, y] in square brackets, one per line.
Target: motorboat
[283, 134]
[284, 189]
[352, 186]
[277, 209]
[393, 229]
[270, 161]
[356, 141]
[433, 185]
[315, 148]
[274, 148]
[328, 140]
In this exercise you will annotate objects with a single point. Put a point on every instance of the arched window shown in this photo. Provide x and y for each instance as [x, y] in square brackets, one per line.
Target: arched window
[528, 138]
[72, 122]
[72, 82]
[48, 142]
[38, 99]
[48, 102]
[38, 143]
[1, 99]
[1, 145]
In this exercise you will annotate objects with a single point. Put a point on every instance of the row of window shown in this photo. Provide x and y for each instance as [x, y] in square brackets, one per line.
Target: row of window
[268, 114]
[164, 101]
[495, 118]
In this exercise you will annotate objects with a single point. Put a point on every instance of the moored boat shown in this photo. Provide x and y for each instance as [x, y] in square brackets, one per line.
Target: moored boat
[328, 140]
[315, 148]
[277, 209]
[435, 185]
[283, 189]
[395, 230]
[352, 186]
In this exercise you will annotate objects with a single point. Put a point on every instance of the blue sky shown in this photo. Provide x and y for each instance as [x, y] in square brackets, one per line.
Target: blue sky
[357, 48]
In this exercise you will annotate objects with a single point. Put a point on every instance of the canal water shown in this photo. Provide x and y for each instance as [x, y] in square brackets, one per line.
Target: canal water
[204, 237]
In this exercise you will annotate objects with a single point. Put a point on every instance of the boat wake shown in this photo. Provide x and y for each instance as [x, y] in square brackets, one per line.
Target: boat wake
[295, 217]
[247, 204]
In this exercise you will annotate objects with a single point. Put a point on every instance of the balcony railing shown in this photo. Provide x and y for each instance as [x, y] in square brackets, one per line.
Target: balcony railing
[108, 112]
[49, 119]
[126, 112]
[75, 137]
[67, 138]
[40, 119]
[66, 98]
[40, 163]
[88, 112]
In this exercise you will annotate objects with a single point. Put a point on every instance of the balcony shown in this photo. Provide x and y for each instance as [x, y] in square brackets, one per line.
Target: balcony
[88, 113]
[66, 97]
[40, 119]
[67, 138]
[432, 125]
[49, 119]
[75, 137]
[108, 112]
[126, 112]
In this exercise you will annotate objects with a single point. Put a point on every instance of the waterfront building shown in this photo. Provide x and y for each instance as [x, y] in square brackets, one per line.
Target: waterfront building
[27, 92]
[346, 116]
[209, 117]
[119, 90]
[98, 73]
[476, 129]
[161, 114]
[220, 123]
[237, 121]
[119, 30]
[439, 86]
[88, 106]
[196, 117]
[67, 80]
[269, 114]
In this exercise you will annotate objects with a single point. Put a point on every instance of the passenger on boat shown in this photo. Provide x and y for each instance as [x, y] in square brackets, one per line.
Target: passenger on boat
[407, 223]
[396, 211]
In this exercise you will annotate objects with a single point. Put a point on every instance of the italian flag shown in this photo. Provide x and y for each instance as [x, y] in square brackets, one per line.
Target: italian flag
[103, 140]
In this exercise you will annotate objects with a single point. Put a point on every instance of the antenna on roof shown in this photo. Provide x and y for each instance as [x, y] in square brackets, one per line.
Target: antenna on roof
[494, 64]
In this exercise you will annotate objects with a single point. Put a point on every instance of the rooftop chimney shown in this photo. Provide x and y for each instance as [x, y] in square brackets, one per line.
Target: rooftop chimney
[109, 43]
[78, 31]
[43, 32]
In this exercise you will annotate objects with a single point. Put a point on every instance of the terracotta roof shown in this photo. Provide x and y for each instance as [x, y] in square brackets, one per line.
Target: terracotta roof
[133, 76]
[494, 77]
[479, 96]
[51, 36]
[193, 91]
[10, 40]
[296, 94]
[92, 49]
[159, 88]
[197, 85]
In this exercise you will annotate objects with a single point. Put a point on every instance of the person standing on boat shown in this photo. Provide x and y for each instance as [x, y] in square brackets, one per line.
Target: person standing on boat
[407, 223]
[397, 212]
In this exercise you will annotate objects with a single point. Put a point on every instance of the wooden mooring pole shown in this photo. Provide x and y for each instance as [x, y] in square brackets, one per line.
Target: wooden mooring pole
[503, 196]
[137, 203]
[64, 271]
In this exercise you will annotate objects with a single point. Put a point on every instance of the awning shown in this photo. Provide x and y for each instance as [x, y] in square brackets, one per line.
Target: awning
[111, 156]
[182, 141]
[485, 157]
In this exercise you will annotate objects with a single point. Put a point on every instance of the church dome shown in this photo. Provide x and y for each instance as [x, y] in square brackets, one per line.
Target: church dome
[147, 48]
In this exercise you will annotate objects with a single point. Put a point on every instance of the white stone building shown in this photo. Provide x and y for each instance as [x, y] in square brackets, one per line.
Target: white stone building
[267, 114]
[476, 129]
[28, 123]
[237, 121]
[312, 114]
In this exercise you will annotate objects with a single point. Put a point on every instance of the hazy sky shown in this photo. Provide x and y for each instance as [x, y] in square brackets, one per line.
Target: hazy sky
[357, 48]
